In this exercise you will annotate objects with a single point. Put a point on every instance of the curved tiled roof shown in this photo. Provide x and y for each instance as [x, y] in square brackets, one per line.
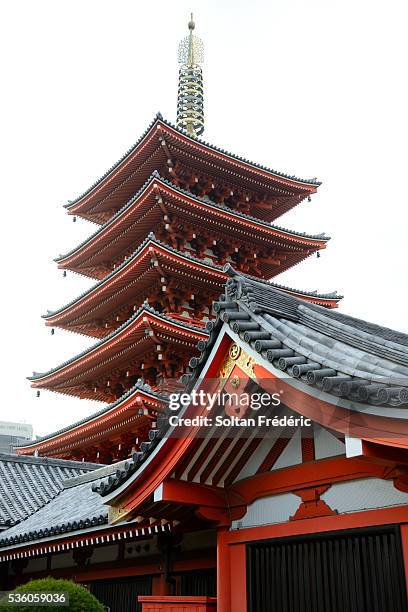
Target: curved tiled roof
[336, 353]
[292, 177]
[106, 485]
[158, 118]
[155, 177]
[115, 165]
[75, 510]
[139, 386]
[72, 509]
[144, 308]
[151, 238]
[29, 483]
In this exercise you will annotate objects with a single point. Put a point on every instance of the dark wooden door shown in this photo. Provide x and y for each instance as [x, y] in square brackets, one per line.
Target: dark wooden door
[354, 571]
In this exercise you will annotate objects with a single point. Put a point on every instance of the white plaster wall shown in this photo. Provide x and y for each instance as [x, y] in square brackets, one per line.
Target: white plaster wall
[364, 494]
[269, 510]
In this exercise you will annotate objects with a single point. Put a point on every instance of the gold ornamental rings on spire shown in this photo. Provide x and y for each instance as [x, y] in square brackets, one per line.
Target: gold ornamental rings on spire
[190, 100]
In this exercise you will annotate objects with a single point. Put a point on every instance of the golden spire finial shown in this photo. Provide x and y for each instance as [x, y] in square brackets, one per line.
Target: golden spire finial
[191, 26]
[190, 104]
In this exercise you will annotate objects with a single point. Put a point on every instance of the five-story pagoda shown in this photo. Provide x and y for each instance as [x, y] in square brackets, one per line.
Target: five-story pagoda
[171, 214]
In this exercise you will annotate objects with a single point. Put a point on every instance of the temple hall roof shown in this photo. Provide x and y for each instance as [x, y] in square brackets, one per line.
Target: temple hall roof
[75, 510]
[73, 506]
[340, 356]
[29, 483]
[337, 353]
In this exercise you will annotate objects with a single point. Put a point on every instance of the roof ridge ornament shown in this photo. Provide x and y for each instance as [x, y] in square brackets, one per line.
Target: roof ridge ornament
[190, 99]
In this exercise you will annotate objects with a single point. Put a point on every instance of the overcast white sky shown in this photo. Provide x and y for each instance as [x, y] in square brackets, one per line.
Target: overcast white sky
[312, 88]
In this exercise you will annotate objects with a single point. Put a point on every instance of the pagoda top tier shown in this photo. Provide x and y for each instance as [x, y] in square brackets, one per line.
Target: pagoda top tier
[191, 163]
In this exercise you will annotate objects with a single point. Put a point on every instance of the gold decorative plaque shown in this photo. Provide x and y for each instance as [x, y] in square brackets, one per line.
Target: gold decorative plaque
[117, 514]
[236, 356]
[234, 351]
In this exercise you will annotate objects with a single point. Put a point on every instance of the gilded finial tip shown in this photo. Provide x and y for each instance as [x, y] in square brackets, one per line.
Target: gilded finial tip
[190, 108]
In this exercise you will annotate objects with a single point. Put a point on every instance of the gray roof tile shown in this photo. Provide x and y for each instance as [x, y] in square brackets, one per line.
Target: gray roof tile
[73, 507]
[29, 483]
[337, 353]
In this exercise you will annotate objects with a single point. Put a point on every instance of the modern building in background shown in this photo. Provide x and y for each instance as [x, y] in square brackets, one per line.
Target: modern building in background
[306, 513]
[13, 434]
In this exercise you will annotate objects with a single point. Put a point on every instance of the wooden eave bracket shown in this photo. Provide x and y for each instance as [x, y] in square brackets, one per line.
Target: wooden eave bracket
[310, 475]
[159, 200]
[161, 136]
[400, 479]
[311, 505]
[212, 504]
[150, 331]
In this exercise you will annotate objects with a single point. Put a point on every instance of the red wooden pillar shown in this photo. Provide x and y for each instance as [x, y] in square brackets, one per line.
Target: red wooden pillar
[404, 540]
[223, 572]
[238, 577]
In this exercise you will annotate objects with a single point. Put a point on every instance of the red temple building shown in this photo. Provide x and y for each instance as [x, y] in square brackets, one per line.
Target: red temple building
[301, 506]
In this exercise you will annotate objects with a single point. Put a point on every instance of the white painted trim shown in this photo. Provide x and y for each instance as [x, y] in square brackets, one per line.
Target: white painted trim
[354, 447]
[158, 493]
